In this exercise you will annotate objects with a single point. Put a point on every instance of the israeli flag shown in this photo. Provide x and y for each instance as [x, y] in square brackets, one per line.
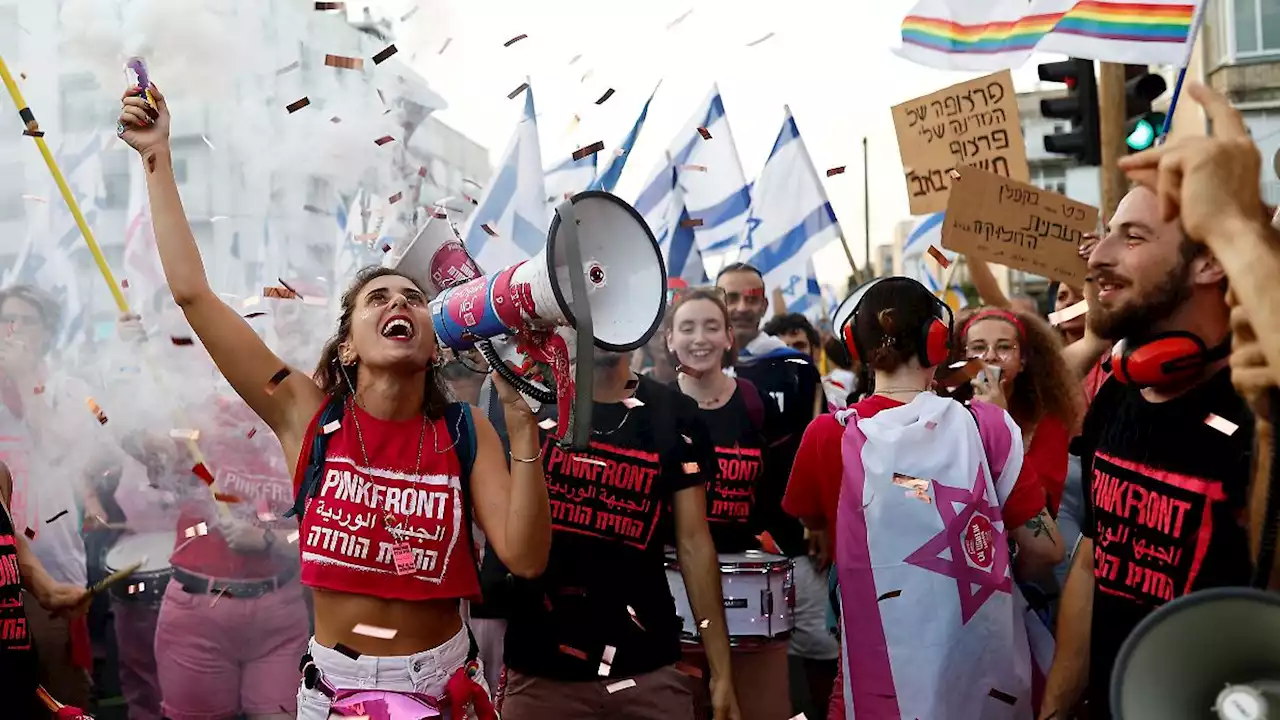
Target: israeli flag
[608, 180]
[676, 240]
[568, 179]
[47, 259]
[510, 221]
[790, 220]
[927, 233]
[710, 175]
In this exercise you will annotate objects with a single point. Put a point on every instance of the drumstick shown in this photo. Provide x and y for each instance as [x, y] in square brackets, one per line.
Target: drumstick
[116, 577]
[53, 705]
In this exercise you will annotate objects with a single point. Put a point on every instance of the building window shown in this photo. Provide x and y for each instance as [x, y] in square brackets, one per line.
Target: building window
[1253, 26]
[83, 105]
[11, 181]
[1052, 179]
[9, 29]
[319, 193]
[115, 179]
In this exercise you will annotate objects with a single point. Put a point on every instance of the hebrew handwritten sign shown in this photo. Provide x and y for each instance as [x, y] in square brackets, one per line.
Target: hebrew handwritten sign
[1017, 225]
[974, 123]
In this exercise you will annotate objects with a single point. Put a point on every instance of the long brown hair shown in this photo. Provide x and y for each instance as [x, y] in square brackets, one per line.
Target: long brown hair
[712, 294]
[329, 374]
[1045, 386]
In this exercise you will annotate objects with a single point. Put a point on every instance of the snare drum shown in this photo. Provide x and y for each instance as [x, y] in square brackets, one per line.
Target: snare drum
[759, 596]
[148, 582]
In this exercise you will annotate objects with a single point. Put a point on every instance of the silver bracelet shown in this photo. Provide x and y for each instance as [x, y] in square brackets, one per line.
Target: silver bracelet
[531, 460]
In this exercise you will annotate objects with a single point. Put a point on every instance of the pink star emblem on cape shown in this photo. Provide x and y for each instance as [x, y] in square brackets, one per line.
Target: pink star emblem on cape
[979, 552]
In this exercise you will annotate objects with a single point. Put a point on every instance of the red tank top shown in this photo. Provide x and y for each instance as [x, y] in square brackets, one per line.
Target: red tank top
[249, 468]
[371, 509]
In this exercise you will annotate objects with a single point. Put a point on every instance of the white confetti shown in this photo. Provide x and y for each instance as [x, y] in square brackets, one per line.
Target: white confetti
[292, 537]
[332, 427]
[206, 142]
[1221, 424]
[1069, 313]
[197, 529]
[620, 685]
[590, 461]
[184, 434]
[547, 424]
[374, 631]
[607, 660]
[632, 403]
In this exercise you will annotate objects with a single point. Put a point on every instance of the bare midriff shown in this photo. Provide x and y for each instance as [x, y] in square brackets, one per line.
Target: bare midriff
[420, 625]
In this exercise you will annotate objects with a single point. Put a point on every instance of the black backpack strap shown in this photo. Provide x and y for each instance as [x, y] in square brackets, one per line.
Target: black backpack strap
[315, 461]
[462, 430]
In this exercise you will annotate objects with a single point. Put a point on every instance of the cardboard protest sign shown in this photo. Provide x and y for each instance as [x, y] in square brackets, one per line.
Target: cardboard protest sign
[1018, 225]
[973, 123]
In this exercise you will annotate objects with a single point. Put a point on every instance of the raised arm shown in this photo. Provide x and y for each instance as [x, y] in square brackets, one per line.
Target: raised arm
[242, 357]
[984, 281]
[511, 503]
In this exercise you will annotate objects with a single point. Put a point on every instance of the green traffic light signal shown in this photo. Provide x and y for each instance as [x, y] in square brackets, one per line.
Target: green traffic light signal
[1144, 131]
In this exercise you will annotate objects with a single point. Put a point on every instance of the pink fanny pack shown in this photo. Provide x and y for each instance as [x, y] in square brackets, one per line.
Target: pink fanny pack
[384, 705]
[462, 690]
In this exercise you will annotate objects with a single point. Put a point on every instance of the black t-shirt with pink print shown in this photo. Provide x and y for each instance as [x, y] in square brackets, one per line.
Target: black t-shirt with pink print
[19, 673]
[1165, 488]
[604, 597]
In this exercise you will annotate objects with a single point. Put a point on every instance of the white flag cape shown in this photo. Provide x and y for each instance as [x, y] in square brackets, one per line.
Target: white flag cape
[932, 620]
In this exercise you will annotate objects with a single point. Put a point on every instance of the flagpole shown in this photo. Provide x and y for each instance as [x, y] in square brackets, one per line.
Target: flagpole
[1196, 21]
[33, 129]
[866, 207]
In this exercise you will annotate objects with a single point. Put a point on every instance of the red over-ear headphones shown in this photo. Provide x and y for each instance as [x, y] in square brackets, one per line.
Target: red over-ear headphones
[935, 334]
[1165, 360]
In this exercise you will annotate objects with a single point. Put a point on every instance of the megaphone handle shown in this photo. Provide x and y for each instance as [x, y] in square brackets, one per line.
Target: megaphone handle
[583, 379]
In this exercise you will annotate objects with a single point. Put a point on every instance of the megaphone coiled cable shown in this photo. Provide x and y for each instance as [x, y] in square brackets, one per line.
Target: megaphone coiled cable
[513, 378]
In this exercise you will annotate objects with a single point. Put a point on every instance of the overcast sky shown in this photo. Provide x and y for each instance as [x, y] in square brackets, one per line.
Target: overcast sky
[829, 60]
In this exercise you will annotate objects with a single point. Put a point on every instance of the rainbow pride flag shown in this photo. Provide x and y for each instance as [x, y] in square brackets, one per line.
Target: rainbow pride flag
[990, 35]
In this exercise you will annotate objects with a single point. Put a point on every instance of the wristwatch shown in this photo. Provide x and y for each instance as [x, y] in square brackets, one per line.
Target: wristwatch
[268, 539]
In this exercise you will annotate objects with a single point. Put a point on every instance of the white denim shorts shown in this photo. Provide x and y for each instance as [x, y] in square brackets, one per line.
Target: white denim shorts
[426, 672]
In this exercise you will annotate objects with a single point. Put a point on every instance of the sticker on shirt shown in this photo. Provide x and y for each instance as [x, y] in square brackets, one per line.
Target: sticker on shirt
[371, 519]
[915, 487]
[731, 494]
[607, 492]
[1151, 529]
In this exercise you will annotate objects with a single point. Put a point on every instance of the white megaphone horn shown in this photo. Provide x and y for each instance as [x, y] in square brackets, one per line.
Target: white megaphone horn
[600, 273]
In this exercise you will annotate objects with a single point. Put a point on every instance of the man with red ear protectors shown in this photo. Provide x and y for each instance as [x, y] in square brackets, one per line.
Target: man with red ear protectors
[1165, 448]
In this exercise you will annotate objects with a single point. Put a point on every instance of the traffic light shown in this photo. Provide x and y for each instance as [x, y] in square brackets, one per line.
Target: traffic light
[1142, 124]
[1080, 106]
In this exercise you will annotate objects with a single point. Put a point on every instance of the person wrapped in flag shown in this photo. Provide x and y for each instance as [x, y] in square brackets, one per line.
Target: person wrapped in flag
[933, 517]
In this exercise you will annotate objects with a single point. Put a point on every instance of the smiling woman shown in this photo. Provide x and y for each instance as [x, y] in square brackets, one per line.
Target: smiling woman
[384, 518]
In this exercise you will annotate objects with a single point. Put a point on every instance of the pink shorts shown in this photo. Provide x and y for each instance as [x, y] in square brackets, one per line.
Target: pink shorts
[236, 655]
